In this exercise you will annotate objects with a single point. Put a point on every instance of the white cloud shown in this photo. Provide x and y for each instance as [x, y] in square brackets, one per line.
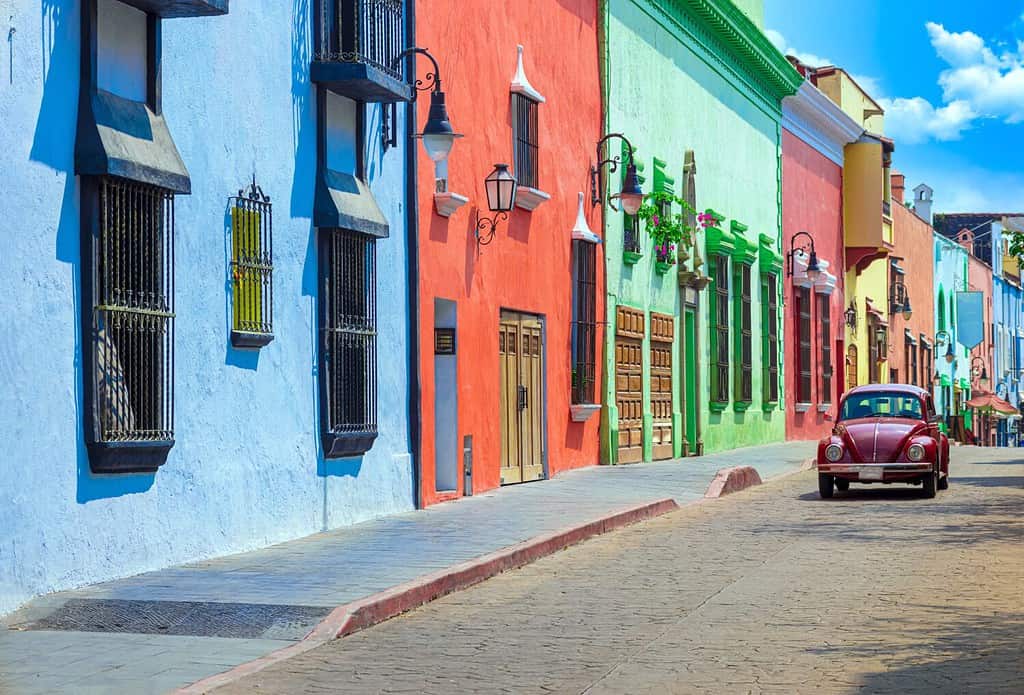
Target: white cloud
[913, 121]
[780, 43]
[965, 188]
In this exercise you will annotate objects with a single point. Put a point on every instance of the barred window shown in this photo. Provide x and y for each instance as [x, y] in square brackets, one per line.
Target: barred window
[524, 132]
[825, 349]
[132, 290]
[926, 364]
[631, 233]
[770, 331]
[349, 357]
[584, 326]
[803, 332]
[720, 330]
[913, 364]
[252, 269]
[745, 335]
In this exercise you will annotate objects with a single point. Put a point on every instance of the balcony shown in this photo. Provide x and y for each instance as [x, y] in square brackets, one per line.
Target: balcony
[170, 9]
[356, 46]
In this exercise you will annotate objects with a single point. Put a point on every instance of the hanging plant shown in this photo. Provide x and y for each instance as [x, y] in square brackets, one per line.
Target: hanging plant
[667, 231]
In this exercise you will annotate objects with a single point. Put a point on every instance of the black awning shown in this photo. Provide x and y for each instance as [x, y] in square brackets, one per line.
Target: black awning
[121, 137]
[342, 200]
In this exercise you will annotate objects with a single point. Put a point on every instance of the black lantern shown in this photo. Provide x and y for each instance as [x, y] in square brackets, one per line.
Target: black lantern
[950, 356]
[851, 316]
[438, 136]
[982, 374]
[631, 196]
[944, 338]
[500, 186]
[813, 268]
[899, 300]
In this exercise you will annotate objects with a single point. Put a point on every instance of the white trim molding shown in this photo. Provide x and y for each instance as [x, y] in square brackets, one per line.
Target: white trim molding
[583, 411]
[520, 83]
[581, 231]
[530, 198]
[818, 121]
[447, 203]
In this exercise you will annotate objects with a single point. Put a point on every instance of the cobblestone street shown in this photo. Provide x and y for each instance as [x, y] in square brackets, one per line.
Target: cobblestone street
[769, 590]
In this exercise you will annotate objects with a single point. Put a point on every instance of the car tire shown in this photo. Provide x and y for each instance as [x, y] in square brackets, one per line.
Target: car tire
[944, 482]
[826, 485]
[842, 485]
[930, 485]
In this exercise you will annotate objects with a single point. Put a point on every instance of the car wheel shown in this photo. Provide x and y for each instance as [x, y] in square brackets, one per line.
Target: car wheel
[944, 482]
[826, 485]
[842, 485]
[930, 484]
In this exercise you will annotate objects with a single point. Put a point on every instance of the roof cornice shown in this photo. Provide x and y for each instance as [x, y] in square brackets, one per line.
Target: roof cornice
[818, 121]
[732, 41]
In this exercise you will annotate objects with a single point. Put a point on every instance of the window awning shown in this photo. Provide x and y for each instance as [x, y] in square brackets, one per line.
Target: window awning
[876, 314]
[342, 200]
[944, 380]
[121, 137]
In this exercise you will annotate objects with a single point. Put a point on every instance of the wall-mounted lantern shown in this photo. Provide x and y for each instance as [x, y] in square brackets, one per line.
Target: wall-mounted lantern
[851, 315]
[944, 338]
[632, 196]
[899, 300]
[500, 186]
[813, 268]
[438, 136]
[983, 381]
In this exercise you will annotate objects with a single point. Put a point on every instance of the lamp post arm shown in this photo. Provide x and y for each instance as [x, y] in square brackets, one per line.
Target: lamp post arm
[793, 249]
[612, 162]
[432, 79]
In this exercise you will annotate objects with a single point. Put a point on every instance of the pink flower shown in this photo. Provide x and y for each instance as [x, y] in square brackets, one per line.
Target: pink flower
[656, 220]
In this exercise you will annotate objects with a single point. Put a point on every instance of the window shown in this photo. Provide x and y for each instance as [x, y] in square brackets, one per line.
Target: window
[825, 349]
[770, 331]
[913, 364]
[744, 336]
[349, 356]
[926, 363]
[524, 134]
[803, 333]
[875, 352]
[252, 269]
[720, 330]
[631, 234]
[882, 403]
[361, 31]
[133, 314]
[851, 367]
[584, 321]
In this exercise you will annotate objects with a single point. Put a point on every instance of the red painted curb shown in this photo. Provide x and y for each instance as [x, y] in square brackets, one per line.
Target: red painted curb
[730, 480]
[360, 614]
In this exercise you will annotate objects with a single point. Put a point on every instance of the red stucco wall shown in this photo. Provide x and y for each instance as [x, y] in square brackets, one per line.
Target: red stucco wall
[812, 187]
[528, 265]
[912, 240]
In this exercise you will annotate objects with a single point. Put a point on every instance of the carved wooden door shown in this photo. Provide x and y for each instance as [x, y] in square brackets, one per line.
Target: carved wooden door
[662, 332]
[629, 336]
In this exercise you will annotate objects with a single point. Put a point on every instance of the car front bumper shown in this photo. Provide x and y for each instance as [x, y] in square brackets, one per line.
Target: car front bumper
[876, 471]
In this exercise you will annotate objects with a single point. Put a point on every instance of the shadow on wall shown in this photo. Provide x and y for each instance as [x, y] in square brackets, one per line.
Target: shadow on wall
[303, 124]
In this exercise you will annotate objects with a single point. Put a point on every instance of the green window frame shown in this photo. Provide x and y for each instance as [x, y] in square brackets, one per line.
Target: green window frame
[744, 347]
[719, 314]
[770, 338]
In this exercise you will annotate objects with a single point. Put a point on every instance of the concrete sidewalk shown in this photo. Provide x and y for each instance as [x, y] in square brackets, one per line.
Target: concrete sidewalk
[167, 629]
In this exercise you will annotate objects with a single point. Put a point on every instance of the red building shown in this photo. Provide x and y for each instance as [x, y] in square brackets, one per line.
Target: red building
[815, 131]
[510, 344]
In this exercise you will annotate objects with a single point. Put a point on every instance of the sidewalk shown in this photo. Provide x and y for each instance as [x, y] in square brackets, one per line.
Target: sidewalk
[167, 629]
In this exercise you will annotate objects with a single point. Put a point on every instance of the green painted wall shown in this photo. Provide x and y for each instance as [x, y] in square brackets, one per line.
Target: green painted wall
[667, 94]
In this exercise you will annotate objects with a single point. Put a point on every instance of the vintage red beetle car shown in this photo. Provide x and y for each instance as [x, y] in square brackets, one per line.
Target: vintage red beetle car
[885, 433]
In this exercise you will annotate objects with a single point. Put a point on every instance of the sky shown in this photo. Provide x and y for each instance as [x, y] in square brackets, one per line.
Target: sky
[950, 76]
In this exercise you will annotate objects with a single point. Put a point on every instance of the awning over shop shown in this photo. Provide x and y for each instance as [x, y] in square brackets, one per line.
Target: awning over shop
[987, 402]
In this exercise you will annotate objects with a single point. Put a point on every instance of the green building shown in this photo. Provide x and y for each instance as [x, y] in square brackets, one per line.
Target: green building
[693, 351]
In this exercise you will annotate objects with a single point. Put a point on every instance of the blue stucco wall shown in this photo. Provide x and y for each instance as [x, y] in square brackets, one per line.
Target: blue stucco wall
[950, 277]
[245, 470]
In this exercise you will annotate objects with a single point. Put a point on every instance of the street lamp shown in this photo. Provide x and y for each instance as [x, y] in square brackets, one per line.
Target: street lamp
[943, 337]
[983, 381]
[438, 136]
[851, 316]
[813, 269]
[631, 195]
[899, 300]
[501, 187]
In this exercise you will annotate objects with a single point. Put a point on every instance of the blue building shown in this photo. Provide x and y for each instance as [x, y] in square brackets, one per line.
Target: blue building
[206, 341]
[952, 361]
[1008, 330]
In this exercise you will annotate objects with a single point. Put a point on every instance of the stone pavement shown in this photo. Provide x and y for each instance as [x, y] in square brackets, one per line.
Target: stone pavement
[771, 590]
[326, 570]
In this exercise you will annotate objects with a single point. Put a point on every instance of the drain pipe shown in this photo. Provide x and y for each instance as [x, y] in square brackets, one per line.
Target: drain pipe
[412, 254]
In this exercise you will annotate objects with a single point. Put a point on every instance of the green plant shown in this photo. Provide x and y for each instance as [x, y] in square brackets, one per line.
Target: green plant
[667, 231]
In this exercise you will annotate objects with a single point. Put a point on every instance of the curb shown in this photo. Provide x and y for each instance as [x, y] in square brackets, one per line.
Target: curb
[730, 480]
[368, 611]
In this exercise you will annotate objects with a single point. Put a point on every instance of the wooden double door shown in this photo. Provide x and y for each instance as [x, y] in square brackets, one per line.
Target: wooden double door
[630, 330]
[521, 358]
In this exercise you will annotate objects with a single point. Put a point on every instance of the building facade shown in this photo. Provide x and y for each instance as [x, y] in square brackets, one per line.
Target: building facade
[951, 383]
[221, 356]
[693, 342]
[815, 133]
[509, 308]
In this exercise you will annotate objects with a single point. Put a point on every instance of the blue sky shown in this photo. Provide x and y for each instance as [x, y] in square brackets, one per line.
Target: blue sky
[950, 76]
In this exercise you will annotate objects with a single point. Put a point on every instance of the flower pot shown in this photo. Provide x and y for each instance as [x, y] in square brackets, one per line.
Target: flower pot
[631, 257]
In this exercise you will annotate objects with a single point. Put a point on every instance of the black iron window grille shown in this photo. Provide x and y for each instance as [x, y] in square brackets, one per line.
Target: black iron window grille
[825, 347]
[770, 316]
[745, 336]
[132, 331]
[803, 331]
[349, 357]
[631, 233]
[525, 136]
[720, 330]
[926, 366]
[362, 31]
[912, 364]
[584, 327]
[252, 268]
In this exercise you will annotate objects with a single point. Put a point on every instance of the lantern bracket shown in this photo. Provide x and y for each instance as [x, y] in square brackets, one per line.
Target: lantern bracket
[597, 171]
[486, 226]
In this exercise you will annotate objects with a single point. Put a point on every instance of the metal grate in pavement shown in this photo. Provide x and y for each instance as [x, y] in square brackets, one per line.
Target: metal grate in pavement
[188, 618]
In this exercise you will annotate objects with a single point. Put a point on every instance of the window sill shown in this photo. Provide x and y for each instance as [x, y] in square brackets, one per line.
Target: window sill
[447, 203]
[741, 406]
[662, 267]
[824, 407]
[718, 406]
[583, 411]
[769, 406]
[246, 340]
[347, 444]
[530, 198]
[631, 257]
[801, 407]
[128, 457]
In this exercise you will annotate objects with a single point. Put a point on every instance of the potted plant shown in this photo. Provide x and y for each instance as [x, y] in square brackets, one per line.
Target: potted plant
[668, 230]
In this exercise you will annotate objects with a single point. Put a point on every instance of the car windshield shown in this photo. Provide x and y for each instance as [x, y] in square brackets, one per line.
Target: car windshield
[881, 404]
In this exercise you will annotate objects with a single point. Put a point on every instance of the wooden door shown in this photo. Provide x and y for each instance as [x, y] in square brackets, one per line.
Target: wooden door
[629, 399]
[521, 361]
[662, 332]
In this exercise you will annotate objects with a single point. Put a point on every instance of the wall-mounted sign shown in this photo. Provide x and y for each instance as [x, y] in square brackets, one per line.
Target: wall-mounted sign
[444, 341]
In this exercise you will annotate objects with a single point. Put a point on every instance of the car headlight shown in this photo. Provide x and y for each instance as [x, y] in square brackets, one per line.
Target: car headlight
[915, 452]
[833, 452]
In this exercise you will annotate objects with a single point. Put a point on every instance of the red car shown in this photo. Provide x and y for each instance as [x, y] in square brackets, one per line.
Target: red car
[885, 433]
